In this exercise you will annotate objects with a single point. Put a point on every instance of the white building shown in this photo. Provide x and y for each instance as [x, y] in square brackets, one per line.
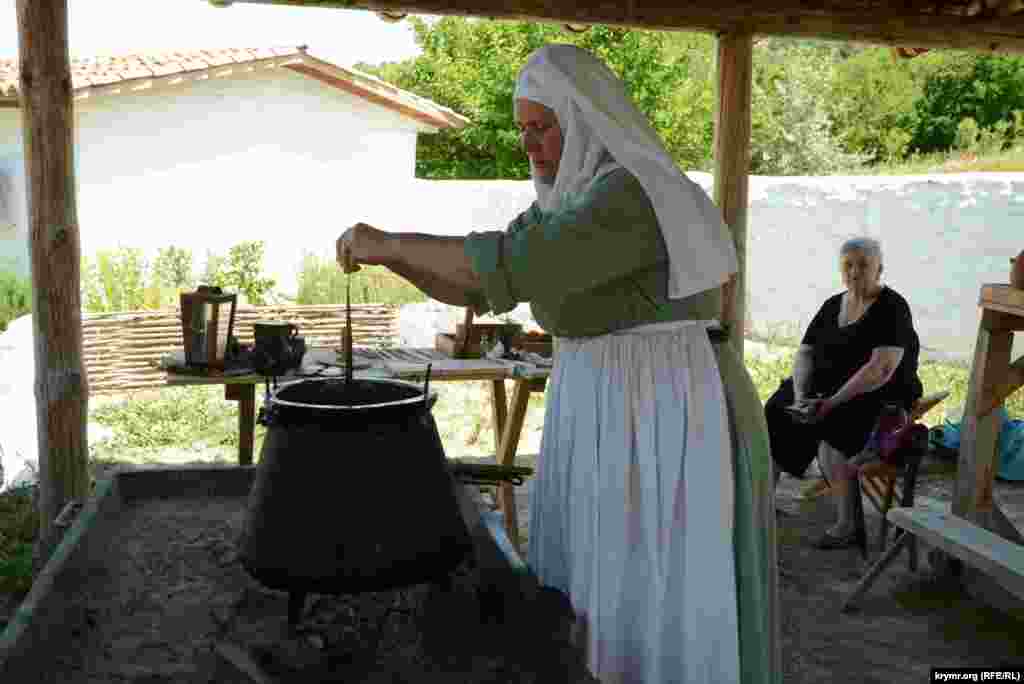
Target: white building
[204, 149]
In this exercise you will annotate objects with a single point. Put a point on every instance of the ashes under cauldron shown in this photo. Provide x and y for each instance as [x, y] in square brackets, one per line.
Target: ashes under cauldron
[352, 493]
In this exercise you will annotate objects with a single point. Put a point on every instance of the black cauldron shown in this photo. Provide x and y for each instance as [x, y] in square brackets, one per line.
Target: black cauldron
[352, 493]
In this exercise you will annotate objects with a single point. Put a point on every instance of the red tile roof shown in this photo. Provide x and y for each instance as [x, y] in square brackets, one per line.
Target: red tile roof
[100, 76]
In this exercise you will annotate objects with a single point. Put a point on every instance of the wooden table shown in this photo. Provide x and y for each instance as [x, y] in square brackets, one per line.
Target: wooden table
[993, 379]
[409, 364]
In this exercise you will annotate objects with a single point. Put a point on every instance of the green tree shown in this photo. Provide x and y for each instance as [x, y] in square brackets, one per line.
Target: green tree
[241, 271]
[791, 127]
[960, 85]
[871, 101]
[470, 66]
[115, 280]
[172, 273]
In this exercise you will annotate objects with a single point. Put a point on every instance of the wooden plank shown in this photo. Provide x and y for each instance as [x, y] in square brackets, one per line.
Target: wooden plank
[1010, 500]
[1000, 559]
[884, 24]
[925, 404]
[1006, 298]
[979, 433]
[1011, 7]
[732, 165]
[1002, 386]
[61, 389]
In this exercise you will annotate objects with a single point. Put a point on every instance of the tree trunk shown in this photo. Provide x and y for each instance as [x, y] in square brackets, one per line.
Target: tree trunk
[732, 165]
[61, 388]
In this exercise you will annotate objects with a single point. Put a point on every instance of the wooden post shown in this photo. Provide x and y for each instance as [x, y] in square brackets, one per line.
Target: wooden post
[732, 164]
[61, 387]
[979, 436]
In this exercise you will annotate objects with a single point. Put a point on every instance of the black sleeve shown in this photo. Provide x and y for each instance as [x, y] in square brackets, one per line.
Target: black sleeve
[819, 322]
[893, 326]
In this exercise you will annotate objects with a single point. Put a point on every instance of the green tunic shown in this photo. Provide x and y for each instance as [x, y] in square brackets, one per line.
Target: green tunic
[596, 267]
[600, 266]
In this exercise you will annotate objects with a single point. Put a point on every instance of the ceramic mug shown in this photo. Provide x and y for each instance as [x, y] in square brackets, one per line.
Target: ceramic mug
[277, 339]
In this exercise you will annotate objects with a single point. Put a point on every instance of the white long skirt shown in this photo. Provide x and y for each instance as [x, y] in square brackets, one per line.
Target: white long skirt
[632, 505]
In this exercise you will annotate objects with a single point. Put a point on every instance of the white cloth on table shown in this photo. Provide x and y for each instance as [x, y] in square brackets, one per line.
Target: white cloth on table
[632, 504]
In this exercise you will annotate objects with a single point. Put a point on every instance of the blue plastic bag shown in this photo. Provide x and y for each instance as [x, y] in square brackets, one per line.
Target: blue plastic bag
[1010, 445]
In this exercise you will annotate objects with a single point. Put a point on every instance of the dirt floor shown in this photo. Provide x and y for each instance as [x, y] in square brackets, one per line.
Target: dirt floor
[907, 623]
[171, 599]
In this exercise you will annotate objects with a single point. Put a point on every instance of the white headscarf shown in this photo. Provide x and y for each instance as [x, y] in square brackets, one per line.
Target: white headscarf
[602, 130]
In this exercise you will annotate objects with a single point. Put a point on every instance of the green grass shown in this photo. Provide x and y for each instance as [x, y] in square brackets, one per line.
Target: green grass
[948, 162]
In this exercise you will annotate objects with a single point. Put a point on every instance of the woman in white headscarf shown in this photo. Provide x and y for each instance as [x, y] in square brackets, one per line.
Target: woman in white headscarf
[652, 506]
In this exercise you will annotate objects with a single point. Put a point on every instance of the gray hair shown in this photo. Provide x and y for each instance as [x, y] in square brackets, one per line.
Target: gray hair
[866, 245]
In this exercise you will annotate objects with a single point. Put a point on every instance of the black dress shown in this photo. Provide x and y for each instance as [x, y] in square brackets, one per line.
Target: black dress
[838, 353]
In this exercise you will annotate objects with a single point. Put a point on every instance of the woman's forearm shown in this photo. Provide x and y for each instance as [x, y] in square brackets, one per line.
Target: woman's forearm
[431, 284]
[435, 264]
[870, 377]
[803, 368]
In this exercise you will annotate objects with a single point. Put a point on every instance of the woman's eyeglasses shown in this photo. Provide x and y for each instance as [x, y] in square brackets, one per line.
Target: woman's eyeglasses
[533, 134]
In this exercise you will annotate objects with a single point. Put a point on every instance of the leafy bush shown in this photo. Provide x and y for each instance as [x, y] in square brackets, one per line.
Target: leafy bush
[322, 282]
[986, 88]
[19, 524]
[241, 271]
[15, 297]
[114, 280]
[791, 126]
[122, 280]
[171, 274]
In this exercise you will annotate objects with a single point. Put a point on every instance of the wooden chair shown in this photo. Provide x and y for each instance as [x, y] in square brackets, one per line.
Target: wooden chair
[884, 483]
[881, 484]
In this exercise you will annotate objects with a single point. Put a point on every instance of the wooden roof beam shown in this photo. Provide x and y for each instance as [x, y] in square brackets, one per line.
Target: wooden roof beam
[1010, 7]
[783, 18]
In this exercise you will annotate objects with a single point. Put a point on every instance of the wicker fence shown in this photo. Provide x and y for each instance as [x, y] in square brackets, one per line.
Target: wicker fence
[120, 349]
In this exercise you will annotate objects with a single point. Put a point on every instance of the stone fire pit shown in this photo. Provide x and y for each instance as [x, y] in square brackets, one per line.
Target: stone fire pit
[146, 587]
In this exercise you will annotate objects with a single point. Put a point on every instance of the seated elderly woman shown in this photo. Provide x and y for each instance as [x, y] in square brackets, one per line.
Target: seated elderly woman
[859, 353]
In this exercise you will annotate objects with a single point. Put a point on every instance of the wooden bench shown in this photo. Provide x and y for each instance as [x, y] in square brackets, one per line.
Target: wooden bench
[933, 522]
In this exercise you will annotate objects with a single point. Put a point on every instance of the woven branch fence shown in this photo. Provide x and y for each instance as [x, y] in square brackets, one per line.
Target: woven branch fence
[121, 349]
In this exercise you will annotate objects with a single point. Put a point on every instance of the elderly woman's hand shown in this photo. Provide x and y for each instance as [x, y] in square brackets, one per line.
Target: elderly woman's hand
[364, 244]
[822, 407]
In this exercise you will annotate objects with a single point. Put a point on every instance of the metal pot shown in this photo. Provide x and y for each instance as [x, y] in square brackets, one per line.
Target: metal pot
[353, 492]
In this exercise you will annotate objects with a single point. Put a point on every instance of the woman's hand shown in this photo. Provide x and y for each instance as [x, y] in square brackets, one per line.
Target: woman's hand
[364, 244]
[823, 407]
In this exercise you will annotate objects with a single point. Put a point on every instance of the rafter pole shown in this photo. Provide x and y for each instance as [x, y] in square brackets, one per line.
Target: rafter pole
[732, 164]
[61, 388]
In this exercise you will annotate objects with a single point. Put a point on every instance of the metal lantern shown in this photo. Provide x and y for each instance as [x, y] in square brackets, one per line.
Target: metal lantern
[207, 322]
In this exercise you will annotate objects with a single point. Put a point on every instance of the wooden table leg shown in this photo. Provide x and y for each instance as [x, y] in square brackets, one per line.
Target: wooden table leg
[499, 410]
[972, 495]
[507, 450]
[499, 414]
[245, 395]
